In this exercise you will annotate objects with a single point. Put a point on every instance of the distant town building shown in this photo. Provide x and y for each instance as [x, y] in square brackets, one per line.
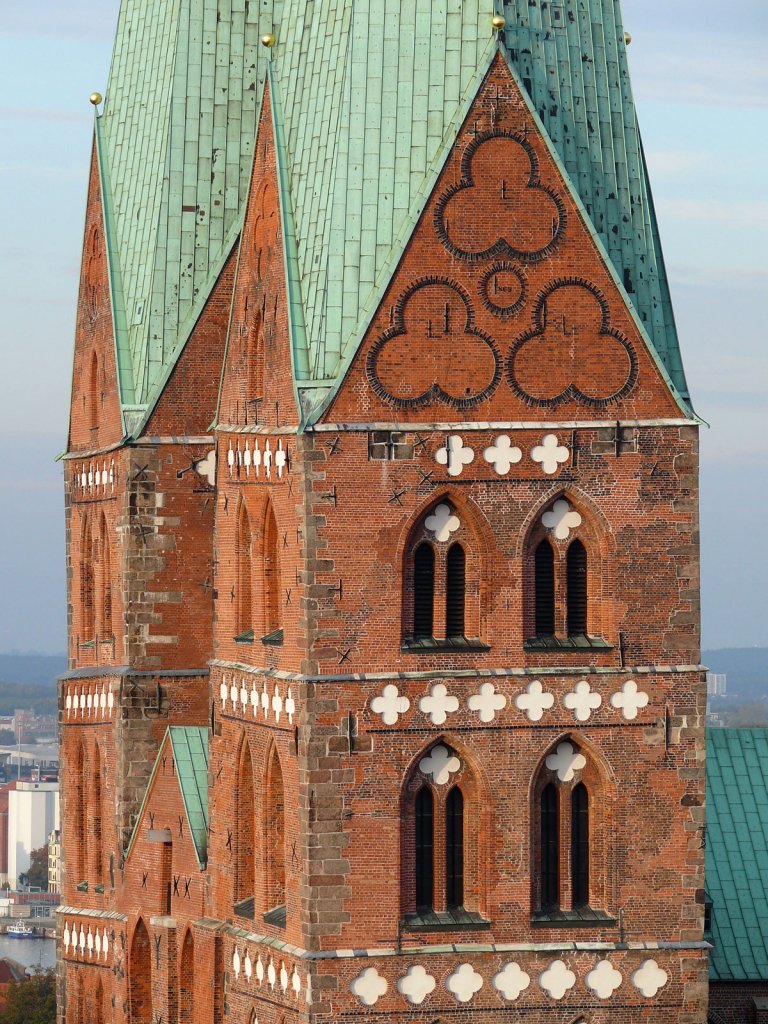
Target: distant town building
[54, 861]
[33, 813]
[716, 684]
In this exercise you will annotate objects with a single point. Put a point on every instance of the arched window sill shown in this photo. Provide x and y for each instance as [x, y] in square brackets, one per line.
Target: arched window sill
[245, 908]
[277, 916]
[428, 645]
[445, 921]
[584, 917]
[273, 639]
[567, 643]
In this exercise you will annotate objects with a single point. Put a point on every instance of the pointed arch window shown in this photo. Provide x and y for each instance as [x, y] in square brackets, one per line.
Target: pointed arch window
[424, 815]
[423, 591]
[442, 873]
[105, 582]
[245, 866]
[79, 844]
[95, 838]
[93, 392]
[442, 583]
[455, 586]
[87, 584]
[544, 581]
[569, 850]
[140, 977]
[576, 582]
[580, 846]
[274, 842]
[562, 576]
[550, 848]
[272, 581]
[454, 849]
[244, 578]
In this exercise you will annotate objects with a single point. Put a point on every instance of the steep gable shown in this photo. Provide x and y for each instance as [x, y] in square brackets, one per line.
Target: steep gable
[257, 382]
[520, 310]
[95, 418]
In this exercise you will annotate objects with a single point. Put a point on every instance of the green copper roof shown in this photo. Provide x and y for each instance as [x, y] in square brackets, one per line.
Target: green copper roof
[368, 97]
[371, 95]
[737, 853]
[176, 144]
[190, 753]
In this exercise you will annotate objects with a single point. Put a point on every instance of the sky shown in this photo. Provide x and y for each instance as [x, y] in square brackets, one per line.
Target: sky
[700, 82]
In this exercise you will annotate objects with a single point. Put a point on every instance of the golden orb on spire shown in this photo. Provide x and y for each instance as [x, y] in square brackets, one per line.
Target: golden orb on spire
[268, 40]
[498, 22]
[627, 38]
[95, 98]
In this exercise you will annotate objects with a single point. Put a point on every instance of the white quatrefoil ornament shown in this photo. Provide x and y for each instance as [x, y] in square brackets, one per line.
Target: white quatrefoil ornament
[369, 986]
[416, 985]
[649, 978]
[550, 453]
[440, 763]
[464, 983]
[582, 701]
[442, 523]
[535, 701]
[438, 704]
[566, 761]
[629, 700]
[502, 455]
[454, 455]
[603, 979]
[487, 702]
[557, 979]
[511, 981]
[390, 705]
[561, 519]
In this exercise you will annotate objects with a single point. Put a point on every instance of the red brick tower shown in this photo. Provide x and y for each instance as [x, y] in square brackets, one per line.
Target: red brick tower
[449, 599]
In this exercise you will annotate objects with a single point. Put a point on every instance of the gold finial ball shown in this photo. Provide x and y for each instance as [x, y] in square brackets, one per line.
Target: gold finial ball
[627, 38]
[95, 98]
[268, 40]
[498, 22]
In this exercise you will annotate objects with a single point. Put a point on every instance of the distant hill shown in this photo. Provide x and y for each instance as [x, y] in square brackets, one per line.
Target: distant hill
[34, 669]
[746, 668]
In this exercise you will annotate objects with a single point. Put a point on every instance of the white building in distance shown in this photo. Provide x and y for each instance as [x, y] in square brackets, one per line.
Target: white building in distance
[33, 813]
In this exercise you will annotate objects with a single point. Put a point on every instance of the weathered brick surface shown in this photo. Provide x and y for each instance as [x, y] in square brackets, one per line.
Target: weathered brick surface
[309, 540]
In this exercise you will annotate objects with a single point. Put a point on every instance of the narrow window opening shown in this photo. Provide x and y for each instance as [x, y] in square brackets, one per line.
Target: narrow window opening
[544, 572]
[455, 585]
[93, 393]
[424, 837]
[576, 582]
[95, 839]
[244, 610]
[454, 849]
[272, 604]
[275, 835]
[423, 591]
[550, 851]
[245, 867]
[580, 846]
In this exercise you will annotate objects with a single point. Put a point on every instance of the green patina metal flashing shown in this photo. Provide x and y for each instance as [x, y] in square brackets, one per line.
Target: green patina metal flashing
[737, 853]
[189, 744]
[367, 98]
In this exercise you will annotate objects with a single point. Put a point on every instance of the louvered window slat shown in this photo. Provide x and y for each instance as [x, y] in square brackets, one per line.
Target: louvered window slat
[454, 848]
[423, 591]
[544, 572]
[425, 874]
[580, 845]
[576, 573]
[455, 587]
[550, 849]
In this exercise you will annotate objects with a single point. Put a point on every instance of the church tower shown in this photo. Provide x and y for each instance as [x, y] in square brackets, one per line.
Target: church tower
[385, 699]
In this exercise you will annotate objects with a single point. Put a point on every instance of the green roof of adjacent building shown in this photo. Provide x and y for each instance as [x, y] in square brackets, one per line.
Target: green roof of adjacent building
[368, 97]
[189, 744]
[737, 853]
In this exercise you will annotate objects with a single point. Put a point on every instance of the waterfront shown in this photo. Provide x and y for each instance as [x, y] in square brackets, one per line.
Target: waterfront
[29, 952]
